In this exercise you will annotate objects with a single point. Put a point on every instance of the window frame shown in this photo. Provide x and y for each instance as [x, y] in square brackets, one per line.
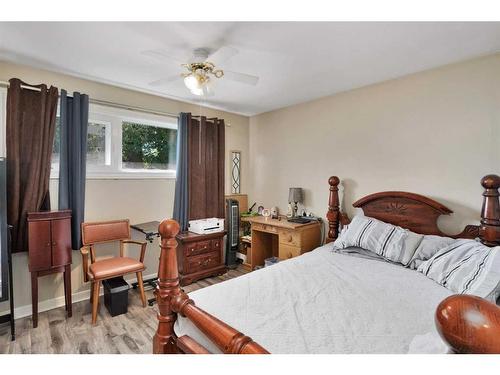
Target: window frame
[113, 118]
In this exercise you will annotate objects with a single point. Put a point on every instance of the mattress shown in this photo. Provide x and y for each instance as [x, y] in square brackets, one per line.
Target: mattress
[326, 301]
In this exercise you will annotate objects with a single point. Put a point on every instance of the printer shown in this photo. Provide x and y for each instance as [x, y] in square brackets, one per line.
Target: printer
[206, 226]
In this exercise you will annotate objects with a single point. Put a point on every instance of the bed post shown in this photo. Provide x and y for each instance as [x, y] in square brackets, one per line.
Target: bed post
[489, 231]
[164, 341]
[333, 214]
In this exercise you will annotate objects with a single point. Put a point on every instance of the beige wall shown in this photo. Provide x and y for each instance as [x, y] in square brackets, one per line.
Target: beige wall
[138, 200]
[435, 133]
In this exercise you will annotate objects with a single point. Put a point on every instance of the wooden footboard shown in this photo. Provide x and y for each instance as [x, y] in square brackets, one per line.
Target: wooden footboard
[469, 324]
[172, 301]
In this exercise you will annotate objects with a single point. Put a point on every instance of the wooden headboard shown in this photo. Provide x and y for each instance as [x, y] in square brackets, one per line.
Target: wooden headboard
[418, 213]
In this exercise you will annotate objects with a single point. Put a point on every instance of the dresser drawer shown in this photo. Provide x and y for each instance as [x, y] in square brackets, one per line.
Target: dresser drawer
[287, 251]
[197, 248]
[289, 237]
[216, 244]
[203, 262]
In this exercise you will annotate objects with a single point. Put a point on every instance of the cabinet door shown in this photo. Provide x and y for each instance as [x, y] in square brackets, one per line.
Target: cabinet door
[61, 242]
[39, 245]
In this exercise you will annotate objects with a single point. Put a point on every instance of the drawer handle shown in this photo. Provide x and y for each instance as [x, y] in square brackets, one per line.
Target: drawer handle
[204, 263]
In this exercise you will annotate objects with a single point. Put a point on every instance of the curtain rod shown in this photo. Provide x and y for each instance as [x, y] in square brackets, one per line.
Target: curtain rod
[107, 103]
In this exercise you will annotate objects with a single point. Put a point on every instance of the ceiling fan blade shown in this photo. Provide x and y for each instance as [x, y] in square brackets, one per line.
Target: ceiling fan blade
[247, 79]
[163, 55]
[165, 81]
[222, 55]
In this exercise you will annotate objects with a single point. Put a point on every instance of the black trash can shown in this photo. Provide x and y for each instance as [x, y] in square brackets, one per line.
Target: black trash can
[116, 295]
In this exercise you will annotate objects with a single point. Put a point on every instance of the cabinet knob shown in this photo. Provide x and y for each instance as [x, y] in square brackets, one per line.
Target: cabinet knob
[290, 238]
[54, 243]
[48, 244]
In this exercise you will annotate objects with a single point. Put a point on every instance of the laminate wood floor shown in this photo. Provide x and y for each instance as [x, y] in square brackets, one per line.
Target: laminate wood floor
[127, 333]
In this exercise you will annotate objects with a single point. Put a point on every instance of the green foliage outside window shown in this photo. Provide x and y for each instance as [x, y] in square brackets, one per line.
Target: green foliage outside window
[148, 147]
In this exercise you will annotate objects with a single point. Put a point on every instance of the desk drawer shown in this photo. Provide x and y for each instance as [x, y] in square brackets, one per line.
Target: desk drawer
[289, 237]
[202, 262]
[264, 228]
[287, 251]
[197, 248]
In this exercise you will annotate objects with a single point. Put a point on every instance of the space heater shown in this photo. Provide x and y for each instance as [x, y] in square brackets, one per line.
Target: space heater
[233, 231]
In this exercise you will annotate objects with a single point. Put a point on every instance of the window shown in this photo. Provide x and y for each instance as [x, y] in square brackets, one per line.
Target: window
[148, 147]
[126, 144]
[98, 144]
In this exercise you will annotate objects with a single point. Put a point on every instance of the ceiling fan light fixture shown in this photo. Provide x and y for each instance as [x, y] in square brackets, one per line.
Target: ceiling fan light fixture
[192, 82]
[198, 82]
[204, 90]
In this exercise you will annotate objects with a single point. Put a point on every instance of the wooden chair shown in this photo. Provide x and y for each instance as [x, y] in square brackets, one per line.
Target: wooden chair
[99, 270]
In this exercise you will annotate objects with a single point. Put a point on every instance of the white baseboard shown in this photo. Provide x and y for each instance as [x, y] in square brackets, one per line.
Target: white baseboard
[54, 303]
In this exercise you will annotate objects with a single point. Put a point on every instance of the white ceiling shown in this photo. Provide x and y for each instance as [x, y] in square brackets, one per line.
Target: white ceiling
[296, 61]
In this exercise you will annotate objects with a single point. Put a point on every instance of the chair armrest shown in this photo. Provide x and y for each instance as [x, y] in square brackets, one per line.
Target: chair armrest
[142, 244]
[85, 262]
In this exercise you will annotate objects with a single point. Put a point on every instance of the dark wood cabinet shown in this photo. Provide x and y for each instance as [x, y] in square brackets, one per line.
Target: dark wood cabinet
[199, 256]
[49, 248]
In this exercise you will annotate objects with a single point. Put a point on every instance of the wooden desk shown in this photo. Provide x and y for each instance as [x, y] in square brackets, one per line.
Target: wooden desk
[280, 238]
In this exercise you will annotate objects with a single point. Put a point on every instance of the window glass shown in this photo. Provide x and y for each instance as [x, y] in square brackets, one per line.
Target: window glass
[97, 144]
[148, 147]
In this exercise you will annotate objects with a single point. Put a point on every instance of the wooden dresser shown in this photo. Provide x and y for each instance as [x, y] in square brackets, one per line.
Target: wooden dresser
[280, 238]
[200, 256]
[49, 239]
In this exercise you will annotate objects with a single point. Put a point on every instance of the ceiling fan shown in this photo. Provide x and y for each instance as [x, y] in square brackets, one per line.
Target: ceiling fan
[202, 69]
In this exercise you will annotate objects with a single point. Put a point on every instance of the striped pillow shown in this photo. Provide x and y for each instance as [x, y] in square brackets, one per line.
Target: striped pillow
[389, 241]
[429, 246]
[466, 267]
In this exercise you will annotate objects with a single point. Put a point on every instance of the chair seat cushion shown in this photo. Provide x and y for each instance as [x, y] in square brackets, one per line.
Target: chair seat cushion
[117, 266]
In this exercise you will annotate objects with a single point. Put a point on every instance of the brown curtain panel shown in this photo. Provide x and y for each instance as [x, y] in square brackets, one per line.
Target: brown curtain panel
[206, 148]
[31, 120]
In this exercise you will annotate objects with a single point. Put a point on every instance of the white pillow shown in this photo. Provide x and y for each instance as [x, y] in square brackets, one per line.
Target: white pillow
[466, 267]
[391, 242]
[429, 246]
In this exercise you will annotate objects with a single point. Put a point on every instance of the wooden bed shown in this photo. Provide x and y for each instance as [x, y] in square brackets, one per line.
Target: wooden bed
[408, 210]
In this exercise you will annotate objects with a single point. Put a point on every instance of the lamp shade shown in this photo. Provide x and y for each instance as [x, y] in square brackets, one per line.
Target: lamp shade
[295, 195]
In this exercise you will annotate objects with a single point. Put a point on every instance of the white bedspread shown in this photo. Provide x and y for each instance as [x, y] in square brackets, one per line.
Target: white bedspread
[324, 302]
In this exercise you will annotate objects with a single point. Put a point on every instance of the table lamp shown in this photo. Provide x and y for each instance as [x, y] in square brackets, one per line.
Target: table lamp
[295, 195]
